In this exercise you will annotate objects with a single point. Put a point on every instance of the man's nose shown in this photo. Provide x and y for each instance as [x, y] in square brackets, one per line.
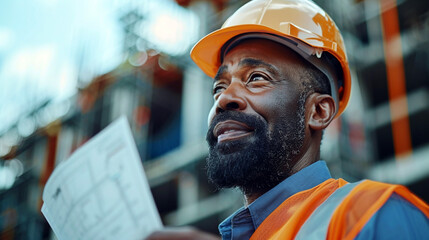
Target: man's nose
[232, 98]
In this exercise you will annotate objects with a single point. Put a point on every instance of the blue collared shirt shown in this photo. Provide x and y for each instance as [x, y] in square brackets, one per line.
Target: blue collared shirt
[243, 223]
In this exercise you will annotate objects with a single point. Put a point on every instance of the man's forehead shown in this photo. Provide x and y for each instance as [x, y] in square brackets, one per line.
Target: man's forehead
[249, 62]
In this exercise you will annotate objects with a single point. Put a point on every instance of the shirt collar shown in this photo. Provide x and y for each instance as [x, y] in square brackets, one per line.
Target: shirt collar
[307, 178]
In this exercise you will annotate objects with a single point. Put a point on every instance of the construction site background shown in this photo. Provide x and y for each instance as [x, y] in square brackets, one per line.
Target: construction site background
[149, 78]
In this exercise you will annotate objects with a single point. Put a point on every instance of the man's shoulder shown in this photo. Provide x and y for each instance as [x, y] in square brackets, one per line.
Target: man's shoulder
[398, 218]
[374, 207]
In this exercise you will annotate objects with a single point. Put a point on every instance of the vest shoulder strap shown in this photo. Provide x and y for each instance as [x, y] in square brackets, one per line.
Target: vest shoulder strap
[316, 226]
[362, 203]
[286, 220]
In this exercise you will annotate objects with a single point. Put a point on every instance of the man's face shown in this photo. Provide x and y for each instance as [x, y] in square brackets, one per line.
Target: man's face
[257, 122]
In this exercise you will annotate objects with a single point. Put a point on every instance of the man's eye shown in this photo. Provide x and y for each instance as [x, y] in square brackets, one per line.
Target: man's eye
[257, 77]
[218, 89]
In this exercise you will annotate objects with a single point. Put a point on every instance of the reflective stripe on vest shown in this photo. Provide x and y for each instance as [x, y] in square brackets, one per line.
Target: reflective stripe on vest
[316, 226]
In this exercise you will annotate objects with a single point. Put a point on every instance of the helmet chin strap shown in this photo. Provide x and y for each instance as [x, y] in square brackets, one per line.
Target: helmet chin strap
[309, 53]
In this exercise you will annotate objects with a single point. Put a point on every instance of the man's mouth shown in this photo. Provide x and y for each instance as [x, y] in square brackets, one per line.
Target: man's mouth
[231, 130]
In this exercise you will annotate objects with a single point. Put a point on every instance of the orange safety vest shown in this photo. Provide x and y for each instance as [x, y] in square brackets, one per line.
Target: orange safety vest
[334, 209]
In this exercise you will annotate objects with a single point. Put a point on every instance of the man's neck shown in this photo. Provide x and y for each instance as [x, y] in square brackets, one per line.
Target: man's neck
[251, 198]
[311, 155]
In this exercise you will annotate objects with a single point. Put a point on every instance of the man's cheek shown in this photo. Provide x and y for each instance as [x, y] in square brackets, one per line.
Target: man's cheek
[211, 114]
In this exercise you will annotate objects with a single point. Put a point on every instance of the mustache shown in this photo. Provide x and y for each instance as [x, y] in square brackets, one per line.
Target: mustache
[253, 121]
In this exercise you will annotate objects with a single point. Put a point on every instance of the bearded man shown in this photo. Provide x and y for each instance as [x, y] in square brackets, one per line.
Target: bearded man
[280, 77]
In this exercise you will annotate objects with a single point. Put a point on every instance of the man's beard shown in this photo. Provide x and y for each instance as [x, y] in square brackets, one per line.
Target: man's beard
[255, 163]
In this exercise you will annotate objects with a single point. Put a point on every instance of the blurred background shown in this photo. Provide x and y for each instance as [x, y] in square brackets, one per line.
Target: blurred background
[68, 68]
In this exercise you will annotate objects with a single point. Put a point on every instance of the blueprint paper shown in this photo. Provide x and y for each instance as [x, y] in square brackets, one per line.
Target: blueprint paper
[101, 191]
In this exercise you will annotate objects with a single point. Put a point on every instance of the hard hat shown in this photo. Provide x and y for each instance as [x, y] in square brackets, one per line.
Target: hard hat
[299, 24]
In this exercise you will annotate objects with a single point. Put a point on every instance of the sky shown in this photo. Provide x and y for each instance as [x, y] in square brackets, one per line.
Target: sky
[48, 48]
[43, 44]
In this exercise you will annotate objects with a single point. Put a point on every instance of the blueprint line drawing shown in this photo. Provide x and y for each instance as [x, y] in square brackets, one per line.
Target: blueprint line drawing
[101, 191]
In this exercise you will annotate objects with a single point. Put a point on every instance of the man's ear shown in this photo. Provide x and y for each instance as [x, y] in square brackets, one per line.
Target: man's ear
[321, 111]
